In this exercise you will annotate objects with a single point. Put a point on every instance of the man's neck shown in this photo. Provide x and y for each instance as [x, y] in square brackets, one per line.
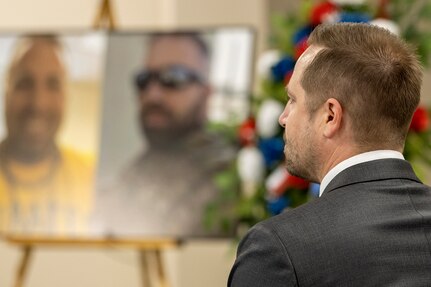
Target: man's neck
[344, 152]
[339, 154]
[357, 159]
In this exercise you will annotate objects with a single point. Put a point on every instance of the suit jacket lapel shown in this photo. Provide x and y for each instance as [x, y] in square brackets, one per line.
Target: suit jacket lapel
[373, 171]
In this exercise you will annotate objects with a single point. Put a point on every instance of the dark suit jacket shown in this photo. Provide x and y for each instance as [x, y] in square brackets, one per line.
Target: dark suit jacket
[371, 227]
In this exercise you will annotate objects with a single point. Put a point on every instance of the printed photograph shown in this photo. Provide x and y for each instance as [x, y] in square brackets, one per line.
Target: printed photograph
[169, 101]
[50, 93]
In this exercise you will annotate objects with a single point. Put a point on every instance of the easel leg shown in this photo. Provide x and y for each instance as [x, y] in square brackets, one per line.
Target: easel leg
[161, 270]
[145, 270]
[23, 266]
[150, 276]
[105, 16]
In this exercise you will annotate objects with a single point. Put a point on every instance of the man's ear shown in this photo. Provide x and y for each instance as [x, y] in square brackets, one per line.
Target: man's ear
[333, 116]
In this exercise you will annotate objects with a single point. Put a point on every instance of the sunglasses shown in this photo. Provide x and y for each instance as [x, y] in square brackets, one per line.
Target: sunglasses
[173, 77]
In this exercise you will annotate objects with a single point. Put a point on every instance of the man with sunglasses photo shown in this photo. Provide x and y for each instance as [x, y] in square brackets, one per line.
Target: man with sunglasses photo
[167, 188]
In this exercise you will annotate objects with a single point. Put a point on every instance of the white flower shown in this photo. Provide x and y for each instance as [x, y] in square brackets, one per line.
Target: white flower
[387, 24]
[267, 118]
[266, 61]
[348, 2]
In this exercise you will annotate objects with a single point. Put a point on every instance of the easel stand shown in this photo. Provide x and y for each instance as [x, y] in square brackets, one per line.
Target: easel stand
[150, 254]
[150, 251]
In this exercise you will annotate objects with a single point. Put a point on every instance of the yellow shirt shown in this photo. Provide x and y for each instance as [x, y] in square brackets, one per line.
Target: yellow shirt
[58, 204]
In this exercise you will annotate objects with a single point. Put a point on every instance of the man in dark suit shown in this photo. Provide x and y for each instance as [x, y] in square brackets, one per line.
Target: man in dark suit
[351, 99]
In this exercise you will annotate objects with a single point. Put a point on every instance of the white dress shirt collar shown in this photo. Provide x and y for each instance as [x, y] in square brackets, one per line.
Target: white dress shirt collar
[354, 160]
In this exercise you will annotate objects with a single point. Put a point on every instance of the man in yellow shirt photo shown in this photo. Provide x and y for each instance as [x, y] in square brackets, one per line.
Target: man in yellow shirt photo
[45, 188]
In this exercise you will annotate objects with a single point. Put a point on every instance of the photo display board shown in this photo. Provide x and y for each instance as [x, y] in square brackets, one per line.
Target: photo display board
[119, 134]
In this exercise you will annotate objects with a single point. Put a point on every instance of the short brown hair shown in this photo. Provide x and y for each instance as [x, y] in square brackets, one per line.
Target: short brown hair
[193, 36]
[374, 75]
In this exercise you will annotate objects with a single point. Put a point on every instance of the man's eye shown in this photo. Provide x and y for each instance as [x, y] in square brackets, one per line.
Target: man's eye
[24, 84]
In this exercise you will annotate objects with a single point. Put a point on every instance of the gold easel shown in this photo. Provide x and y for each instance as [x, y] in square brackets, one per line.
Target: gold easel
[152, 271]
[150, 250]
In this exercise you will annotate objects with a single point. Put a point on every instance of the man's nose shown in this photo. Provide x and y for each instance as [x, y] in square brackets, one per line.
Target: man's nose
[40, 98]
[153, 92]
[282, 118]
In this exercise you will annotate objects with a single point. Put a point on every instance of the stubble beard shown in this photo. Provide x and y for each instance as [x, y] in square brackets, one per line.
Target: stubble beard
[28, 154]
[301, 162]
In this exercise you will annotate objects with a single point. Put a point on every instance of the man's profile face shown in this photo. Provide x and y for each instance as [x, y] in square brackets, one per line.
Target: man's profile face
[35, 99]
[301, 146]
[167, 113]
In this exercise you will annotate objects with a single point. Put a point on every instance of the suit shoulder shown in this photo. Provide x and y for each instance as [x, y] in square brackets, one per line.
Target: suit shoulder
[296, 215]
[301, 225]
[262, 260]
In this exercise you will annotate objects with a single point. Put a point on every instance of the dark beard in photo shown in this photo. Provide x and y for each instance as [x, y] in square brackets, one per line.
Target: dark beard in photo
[173, 135]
